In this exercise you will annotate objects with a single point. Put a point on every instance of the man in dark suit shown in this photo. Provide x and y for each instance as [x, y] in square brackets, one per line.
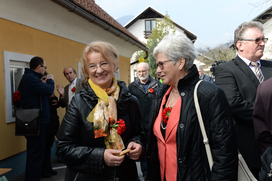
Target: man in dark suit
[262, 115]
[74, 87]
[240, 79]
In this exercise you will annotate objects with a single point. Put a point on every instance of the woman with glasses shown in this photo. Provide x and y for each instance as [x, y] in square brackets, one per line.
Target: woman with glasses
[176, 150]
[102, 120]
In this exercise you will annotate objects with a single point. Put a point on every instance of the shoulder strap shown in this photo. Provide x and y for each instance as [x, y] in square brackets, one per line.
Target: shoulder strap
[202, 127]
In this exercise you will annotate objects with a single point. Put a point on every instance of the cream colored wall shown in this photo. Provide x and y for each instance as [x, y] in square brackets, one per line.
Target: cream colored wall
[47, 16]
[268, 34]
[58, 53]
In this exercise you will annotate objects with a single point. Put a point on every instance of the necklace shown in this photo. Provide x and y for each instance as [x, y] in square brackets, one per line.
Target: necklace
[164, 128]
[173, 103]
[166, 112]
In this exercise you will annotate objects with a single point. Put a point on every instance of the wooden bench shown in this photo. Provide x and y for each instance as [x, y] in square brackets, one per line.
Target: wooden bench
[4, 171]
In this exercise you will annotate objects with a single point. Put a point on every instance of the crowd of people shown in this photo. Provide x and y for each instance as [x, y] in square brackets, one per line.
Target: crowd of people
[153, 120]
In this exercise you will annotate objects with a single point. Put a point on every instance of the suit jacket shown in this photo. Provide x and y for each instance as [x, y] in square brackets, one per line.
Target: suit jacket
[262, 115]
[240, 86]
[63, 101]
[207, 78]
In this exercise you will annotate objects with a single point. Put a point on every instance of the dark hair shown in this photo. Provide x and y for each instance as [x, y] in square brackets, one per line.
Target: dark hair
[68, 67]
[35, 62]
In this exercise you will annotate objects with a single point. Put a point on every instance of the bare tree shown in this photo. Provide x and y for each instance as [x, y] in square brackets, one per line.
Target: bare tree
[220, 52]
[261, 4]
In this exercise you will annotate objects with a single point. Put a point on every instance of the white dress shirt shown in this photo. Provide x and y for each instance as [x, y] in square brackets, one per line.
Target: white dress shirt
[70, 93]
[251, 66]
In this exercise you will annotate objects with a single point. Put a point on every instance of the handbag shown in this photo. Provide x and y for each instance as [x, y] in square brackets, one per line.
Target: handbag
[27, 121]
[266, 170]
[244, 173]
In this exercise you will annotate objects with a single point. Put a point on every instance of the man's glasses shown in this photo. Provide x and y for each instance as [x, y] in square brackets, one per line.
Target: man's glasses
[103, 65]
[257, 40]
[161, 64]
[44, 66]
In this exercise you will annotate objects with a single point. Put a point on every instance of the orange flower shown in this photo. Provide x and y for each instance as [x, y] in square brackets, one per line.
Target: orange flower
[99, 133]
[111, 121]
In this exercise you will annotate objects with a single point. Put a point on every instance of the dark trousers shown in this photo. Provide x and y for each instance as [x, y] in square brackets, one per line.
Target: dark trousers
[49, 140]
[35, 154]
[144, 161]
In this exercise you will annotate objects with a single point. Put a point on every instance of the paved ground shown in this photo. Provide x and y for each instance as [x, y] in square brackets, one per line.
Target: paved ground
[60, 168]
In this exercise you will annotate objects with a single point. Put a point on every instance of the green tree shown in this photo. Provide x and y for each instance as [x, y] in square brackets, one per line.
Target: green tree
[162, 27]
[151, 59]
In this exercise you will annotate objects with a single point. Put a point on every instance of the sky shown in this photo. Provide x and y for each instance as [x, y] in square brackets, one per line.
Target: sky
[212, 21]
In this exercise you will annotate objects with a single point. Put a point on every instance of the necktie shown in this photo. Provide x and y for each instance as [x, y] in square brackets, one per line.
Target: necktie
[257, 71]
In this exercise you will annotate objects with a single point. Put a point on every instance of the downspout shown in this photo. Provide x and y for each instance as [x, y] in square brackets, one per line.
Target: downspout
[71, 7]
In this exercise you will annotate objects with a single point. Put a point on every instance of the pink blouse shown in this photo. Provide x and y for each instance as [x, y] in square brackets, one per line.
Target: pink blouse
[167, 148]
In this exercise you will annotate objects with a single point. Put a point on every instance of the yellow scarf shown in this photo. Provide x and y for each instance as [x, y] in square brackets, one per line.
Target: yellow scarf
[105, 113]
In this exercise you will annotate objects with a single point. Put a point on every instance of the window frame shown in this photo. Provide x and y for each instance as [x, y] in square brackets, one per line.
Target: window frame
[148, 33]
[8, 57]
[79, 70]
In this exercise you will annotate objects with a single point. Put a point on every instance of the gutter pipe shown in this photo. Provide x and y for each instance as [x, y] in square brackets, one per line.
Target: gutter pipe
[71, 7]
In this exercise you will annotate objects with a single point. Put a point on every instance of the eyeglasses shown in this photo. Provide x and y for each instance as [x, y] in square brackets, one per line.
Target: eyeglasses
[103, 65]
[161, 64]
[44, 66]
[257, 40]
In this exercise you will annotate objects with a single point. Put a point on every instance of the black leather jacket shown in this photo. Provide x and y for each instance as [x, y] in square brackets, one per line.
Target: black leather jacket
[192, 160]
[82, 153]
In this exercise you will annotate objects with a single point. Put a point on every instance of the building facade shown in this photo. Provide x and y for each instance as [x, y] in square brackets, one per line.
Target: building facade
[58, 31]
[141, 26]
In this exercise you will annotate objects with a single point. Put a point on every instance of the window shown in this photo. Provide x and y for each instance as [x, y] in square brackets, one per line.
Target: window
[14, 63]
[79, 70]
[117, 75]
[149, 26]
[135, 75]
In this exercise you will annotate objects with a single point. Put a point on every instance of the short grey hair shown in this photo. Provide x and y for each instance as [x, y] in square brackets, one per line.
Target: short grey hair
[239, 32]
[147, 66]
[176, 47]
[199, 67]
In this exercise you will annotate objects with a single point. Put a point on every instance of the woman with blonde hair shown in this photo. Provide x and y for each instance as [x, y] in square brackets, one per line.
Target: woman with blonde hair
[102, 120]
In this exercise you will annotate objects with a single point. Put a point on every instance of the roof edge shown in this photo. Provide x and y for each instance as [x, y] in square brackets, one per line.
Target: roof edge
[261, 14]
[74, 8]
[176, 24]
